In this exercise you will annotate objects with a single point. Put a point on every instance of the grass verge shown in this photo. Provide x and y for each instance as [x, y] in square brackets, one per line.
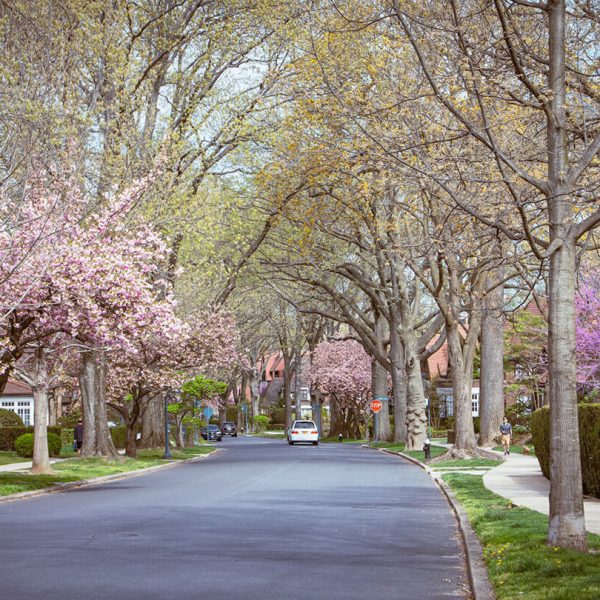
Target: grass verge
[519, 563]
[473, 462]
[8, 458]
[76, 469]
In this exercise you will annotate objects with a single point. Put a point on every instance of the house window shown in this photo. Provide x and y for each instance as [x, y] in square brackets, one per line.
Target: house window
[25, 414]
[475, 404]
[8, 404]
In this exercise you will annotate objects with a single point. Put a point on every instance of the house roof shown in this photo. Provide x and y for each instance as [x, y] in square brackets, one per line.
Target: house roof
[16, 388]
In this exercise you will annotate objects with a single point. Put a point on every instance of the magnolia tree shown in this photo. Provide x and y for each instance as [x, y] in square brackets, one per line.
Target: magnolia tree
[342, 371]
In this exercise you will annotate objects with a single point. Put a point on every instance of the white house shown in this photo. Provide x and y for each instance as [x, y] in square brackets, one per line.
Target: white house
[18, 397]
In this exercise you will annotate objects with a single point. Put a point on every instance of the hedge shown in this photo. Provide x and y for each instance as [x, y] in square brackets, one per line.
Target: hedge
[589, 439]
[8, 435]
[8, 418]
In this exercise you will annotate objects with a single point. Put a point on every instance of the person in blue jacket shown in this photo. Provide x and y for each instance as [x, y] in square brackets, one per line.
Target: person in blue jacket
[506, 432]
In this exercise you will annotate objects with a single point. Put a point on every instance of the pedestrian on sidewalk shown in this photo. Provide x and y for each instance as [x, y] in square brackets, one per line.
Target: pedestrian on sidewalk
[78, 436]
[506, 432]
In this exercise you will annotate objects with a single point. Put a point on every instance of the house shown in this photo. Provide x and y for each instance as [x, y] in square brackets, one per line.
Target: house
[438, 366]
[18, 397]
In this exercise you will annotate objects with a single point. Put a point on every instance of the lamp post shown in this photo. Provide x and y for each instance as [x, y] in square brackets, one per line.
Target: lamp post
[167, 453]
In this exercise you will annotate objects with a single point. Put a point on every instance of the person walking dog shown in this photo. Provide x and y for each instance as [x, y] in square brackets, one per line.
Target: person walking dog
[506, 431]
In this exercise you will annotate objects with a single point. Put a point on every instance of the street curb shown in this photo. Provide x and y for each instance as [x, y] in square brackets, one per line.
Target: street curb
[479, 581]
[69, 485]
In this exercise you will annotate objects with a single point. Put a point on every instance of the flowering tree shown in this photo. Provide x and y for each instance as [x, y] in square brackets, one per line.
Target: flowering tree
[165, 349]
[587, 305]
[342, 371]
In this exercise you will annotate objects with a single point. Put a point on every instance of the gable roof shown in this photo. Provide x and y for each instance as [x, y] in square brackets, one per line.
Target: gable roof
[17, 388]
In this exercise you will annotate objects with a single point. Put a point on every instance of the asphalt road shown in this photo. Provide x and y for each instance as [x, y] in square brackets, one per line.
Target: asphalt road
[259, 521]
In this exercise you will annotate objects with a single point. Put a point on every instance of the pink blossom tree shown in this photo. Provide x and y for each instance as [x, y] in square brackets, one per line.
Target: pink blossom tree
[342, 371]
[587, 304]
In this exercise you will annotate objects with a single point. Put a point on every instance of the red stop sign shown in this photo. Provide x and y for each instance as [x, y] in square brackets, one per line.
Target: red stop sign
[376, 405]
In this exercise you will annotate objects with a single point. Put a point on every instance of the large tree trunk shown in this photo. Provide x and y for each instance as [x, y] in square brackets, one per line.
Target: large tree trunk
[416, 413]
[153, 424]
[41, 458]
[398, 374]
[253, 381]
[96, 434]
[336, 425]
[566, 525]
[298, 385]
[287, 397]
[379, 390]
[491, 386]
[462, 385]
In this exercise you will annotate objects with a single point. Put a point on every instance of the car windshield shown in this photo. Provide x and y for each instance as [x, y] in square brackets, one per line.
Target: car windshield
[213, 427]
[229, 424]
[304, 425]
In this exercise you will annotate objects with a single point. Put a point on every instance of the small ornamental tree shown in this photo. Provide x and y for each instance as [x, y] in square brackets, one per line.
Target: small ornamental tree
[199, 391]
[587, 304]
[342, 371]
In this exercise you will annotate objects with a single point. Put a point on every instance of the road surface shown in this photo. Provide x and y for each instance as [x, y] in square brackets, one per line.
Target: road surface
[259, 521]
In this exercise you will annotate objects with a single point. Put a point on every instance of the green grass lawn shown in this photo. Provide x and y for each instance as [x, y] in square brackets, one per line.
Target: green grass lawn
[332, 440]
[514, 449]
[8, 458]
[520, 564]
[75, 469]
[473, 462]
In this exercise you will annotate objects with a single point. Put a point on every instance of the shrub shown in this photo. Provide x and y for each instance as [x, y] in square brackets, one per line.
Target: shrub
[66, 437]
[589, 434]
[119, 436]
[261, 422]
[8, 435]
[8, 418]
[24, 445]
[278, 414]
[477, 424]
[54, 444]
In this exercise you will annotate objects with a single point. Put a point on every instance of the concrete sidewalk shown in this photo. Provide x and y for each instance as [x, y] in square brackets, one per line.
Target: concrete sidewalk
[520, 480]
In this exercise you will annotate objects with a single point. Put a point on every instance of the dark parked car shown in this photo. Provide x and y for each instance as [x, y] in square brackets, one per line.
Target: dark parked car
[211, 433]
[229, 428]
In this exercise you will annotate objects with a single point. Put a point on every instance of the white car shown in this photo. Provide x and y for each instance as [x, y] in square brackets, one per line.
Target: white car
[303, 431]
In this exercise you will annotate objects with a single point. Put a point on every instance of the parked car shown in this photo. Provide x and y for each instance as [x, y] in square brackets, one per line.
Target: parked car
[212, 432]
[303, 431]
[229, 428]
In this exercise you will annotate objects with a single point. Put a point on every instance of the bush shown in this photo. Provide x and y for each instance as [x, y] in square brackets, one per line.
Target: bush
[66, 437]
[8, 435]
[261, 422]
[277, 426]
[8, 418]
[119, 436]
[589, 434]
[24, 445]
[278, 414]
[477, 424]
